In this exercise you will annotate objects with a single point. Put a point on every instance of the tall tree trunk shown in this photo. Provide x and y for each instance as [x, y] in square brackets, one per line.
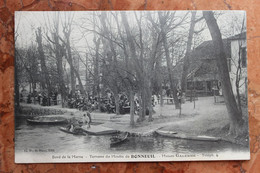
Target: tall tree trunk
[146, 75]
[238, 77]
[128, 71]
[70, 60]
[168, 61]
[137, 66]
[159, 79]
[186, 63]
[112, 57]
[96, 91]
[156, 45]
[239, 68]
[72, 81]
[161, 99]
[144, 102]
[42, 59]
[172, 83]
[62, 88]
[75, 72]
[132, 113]
[59, 54]
[230, 101]
[150, 104]
[117, 103]
[87, 75]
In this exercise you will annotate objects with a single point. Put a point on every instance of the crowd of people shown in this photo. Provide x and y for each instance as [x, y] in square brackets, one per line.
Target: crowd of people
[41, 98]
[85, 103]
[104, 104]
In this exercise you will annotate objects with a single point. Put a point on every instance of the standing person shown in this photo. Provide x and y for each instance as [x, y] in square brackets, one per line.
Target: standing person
[179, 95]
[155, 99]
[87, 119]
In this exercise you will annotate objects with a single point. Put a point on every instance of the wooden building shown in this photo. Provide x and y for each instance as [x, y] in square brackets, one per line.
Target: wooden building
[203, 72]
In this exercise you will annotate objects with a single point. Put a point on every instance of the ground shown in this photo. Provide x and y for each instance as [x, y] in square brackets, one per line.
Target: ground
[205, 118]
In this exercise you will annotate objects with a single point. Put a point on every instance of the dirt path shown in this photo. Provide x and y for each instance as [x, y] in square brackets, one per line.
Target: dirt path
[207, 118]
[200, 121]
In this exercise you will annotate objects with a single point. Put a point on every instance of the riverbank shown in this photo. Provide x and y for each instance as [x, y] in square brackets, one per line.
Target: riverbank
[207, 118]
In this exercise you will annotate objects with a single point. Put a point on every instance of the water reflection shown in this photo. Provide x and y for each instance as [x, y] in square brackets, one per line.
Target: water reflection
[50, 137]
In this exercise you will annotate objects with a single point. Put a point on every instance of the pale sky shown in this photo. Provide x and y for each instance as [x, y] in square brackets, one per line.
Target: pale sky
[27, 21]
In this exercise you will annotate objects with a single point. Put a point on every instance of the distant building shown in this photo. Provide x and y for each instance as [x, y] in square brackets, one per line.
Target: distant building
[203, 72]
[238, 49]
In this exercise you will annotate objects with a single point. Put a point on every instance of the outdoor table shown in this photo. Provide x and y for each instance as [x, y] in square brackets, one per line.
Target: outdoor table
[168, 99]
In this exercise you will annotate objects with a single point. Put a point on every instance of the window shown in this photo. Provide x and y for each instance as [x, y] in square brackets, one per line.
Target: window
[243, 56]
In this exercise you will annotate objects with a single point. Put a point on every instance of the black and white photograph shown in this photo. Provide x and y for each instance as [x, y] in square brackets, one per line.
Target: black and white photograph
[130, 86]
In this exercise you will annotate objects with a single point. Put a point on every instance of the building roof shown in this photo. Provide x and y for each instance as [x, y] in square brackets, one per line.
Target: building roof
[203, 65]
[206, 50]
[203, 61]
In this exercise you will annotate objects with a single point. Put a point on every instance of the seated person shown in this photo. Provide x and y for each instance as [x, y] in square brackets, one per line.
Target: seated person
[74, 128]
[70, 127]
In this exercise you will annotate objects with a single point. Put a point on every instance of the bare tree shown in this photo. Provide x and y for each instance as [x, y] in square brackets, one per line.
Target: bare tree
[128, 73]
[163, 26]
[133, 54]
[43, 63]
[67, 28]
[112, 60]
[239, 64]
[186, 59]
[234, 114]
[58, 50]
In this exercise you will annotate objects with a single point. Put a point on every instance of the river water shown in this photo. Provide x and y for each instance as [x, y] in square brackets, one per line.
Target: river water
[51, 138]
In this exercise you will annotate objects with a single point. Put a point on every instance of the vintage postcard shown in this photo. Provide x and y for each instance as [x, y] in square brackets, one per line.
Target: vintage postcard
[129, 86]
